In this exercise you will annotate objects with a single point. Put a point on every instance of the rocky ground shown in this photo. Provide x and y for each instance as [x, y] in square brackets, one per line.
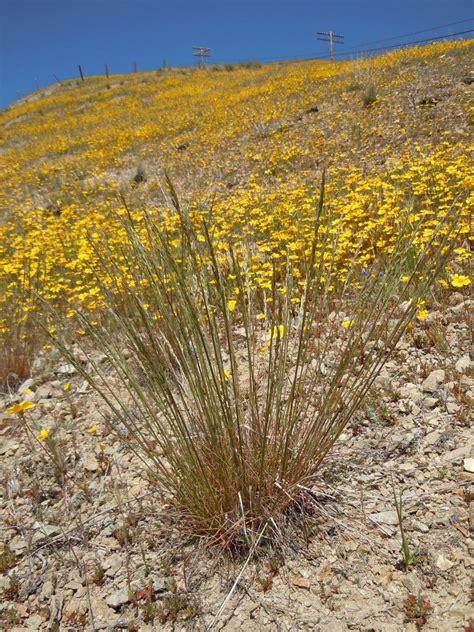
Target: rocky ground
[98, 551]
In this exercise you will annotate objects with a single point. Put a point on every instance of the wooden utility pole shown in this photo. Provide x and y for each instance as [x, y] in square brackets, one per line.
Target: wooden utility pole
[134, 67]
[332, 38]
[202, 52]
[107, 71]
[80, 72]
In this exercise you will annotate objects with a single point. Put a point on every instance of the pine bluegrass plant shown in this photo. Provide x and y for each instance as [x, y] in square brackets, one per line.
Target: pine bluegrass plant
[232, 410]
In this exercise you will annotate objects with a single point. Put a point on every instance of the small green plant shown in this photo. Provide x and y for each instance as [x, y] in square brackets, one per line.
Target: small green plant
[369, 96]
[177, 605]
[140, 176]
[12, 593]
[408, 558]
[7, 559]
[417, 609]
[52, 444]
[98, 575]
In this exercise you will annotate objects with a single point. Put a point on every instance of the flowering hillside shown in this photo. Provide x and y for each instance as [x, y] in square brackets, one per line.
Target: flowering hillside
[251, 142]
[234, 310]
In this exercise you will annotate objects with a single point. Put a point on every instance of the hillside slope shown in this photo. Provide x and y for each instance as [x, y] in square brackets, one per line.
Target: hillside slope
[89, 540]
[390, 132]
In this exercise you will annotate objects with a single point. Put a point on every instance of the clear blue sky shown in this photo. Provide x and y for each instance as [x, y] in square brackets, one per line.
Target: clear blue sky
[43, 38]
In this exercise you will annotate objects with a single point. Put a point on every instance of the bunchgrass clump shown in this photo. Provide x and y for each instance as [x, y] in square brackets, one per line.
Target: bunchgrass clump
[233, 395]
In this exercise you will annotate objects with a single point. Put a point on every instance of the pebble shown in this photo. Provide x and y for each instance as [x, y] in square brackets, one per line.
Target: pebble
[469, 465]
[117, 599]
[430, 402]
[420, 526]
[430, 384]
[44, 531]
[35, 622]
[412, 583]
[91, 464]
[385, 517]
[443, 563]
[463, 364]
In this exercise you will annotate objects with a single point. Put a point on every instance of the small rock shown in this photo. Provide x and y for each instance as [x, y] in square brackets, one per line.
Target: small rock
[8, 445]
[118, 599]
[112, 564]
[469, 465]
[27, 384]
[34, 622]
[43, 532]
[443, 563]
[430, 402]
[102, 612]
[412, 583]
[430, 384]
[456, 455]
[385, 517]
[471, 516]
[432, 437]
[66, 369]
[463, 364]
[301, 582]
[48, 589]
[91, 464]
[452, 407]
[420, 526]
[411, 391]
[4, 582]
[17, 544]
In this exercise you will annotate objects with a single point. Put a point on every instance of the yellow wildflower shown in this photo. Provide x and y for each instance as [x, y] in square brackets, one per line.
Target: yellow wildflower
[277, 332]
[347, 324]
[231, 304]
[43, 435]
[20, 408]
[67, 386]
[459, 280]
[422, 314]
[92, 430]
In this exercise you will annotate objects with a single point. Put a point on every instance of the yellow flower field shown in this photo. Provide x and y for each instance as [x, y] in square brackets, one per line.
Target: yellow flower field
[245, 147]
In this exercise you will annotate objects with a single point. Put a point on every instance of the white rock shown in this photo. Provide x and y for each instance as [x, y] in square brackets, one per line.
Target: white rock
[457, 454]
[44, 531]
[117, 599]
[66, 369]
[443, 563]
[469, 465]
[463, 364]
[420, 526]
[412, 583]
[385, 517]
[91, 464]
[430, 384]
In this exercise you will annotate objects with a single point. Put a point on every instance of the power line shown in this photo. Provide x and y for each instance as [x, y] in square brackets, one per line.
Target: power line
[390, 39]
[359, 50]
[422, 41]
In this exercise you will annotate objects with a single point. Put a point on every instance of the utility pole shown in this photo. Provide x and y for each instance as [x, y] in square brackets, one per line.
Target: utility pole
[107, 71]
[80, 72]
[332, 38]
[202, 52]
